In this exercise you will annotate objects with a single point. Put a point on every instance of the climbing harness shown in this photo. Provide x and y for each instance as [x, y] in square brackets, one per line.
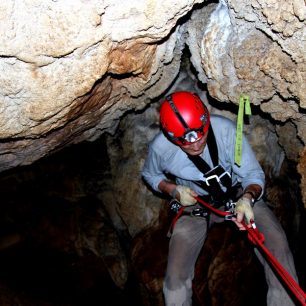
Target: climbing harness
[179, 210]
[214, 179]
[257, 239]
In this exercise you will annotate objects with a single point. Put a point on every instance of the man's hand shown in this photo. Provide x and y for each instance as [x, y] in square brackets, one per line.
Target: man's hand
[244, 212]
[186, 196]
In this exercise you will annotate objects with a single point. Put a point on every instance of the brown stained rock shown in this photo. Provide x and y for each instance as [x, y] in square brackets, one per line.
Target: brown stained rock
[281, 111]
[132, 58]
[86, 117]
[252, 80]
[283, 16]
[65, 55]
[302, 171]
[282, 70]
[290, 141]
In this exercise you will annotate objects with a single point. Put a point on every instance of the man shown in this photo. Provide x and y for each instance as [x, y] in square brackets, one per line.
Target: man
[190, 136]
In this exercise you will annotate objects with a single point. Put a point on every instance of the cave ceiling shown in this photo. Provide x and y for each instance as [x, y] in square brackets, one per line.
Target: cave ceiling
[71, 69]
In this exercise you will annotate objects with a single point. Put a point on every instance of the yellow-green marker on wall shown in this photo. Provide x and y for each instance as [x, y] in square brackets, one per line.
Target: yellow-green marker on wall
[244, 107]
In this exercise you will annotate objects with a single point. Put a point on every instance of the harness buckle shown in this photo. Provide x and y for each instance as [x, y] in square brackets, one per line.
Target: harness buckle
[225, 173]
[216, 173]
[230, 207]
[214, 176]
[199, 212]
[175, 205]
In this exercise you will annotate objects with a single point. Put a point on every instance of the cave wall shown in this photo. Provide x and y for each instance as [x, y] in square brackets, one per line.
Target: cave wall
[73, 68]
[74, 71]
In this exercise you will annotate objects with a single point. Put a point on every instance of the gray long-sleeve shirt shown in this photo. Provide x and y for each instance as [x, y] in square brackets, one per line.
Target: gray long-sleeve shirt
[165, 157]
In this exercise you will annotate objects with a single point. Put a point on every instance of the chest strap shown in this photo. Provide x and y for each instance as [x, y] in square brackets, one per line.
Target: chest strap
[213, 176]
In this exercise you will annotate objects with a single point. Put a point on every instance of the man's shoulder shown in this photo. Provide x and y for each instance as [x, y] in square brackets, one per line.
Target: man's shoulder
[224, 129]
[220, 122]
[161, 144]
[216, 118]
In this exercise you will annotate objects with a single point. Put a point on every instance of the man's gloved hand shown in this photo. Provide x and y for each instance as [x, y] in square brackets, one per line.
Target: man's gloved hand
[244, 211]
[186, 195]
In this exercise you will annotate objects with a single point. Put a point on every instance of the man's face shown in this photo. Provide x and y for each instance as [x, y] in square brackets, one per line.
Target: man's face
[195, 148]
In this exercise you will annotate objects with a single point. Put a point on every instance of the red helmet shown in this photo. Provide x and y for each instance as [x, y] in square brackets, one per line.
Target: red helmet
[184, 117]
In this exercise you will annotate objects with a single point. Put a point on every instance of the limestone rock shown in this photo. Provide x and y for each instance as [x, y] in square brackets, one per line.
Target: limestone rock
[253, 47]
[72, 69]
[302, 171]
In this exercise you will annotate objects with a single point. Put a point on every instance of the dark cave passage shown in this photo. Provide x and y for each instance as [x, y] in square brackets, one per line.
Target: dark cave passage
[47, 208]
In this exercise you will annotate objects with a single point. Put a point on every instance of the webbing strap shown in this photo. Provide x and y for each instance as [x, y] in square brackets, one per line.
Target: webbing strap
[213, 187]
[213, 152]
[212, 146]
[244, 107]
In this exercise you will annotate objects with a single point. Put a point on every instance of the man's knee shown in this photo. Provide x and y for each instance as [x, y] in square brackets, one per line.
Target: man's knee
[173, 282]
[177, 292]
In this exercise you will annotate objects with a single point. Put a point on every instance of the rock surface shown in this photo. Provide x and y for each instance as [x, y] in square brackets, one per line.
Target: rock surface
[77, 71]
[71, 69]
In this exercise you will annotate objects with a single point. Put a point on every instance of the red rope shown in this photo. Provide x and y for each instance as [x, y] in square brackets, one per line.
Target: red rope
[257, 238]
[290, 282]
[178, 214]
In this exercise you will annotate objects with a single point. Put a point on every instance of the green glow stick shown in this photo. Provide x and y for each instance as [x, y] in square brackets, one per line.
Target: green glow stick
[244, 104]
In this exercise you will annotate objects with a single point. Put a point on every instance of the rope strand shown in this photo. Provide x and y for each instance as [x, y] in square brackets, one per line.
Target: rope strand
[257, 238]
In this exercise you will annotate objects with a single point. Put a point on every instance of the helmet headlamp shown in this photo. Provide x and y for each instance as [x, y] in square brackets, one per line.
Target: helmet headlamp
[191, 136]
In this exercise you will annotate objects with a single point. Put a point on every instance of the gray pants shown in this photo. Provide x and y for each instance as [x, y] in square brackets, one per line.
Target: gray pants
[186, 243]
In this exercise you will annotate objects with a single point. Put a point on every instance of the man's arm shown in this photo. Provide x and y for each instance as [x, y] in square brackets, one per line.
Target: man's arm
[252, 192]
[167, 187]
[183, 194]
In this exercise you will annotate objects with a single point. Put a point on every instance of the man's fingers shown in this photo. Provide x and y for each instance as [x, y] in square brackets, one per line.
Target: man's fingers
[239, 217]
[239, 225]
[186, 195]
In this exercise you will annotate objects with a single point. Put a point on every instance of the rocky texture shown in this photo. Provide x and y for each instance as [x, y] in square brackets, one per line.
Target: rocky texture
[257, 48]
[77, 82]
[72, 69]
[302, 170]
[71, 72]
